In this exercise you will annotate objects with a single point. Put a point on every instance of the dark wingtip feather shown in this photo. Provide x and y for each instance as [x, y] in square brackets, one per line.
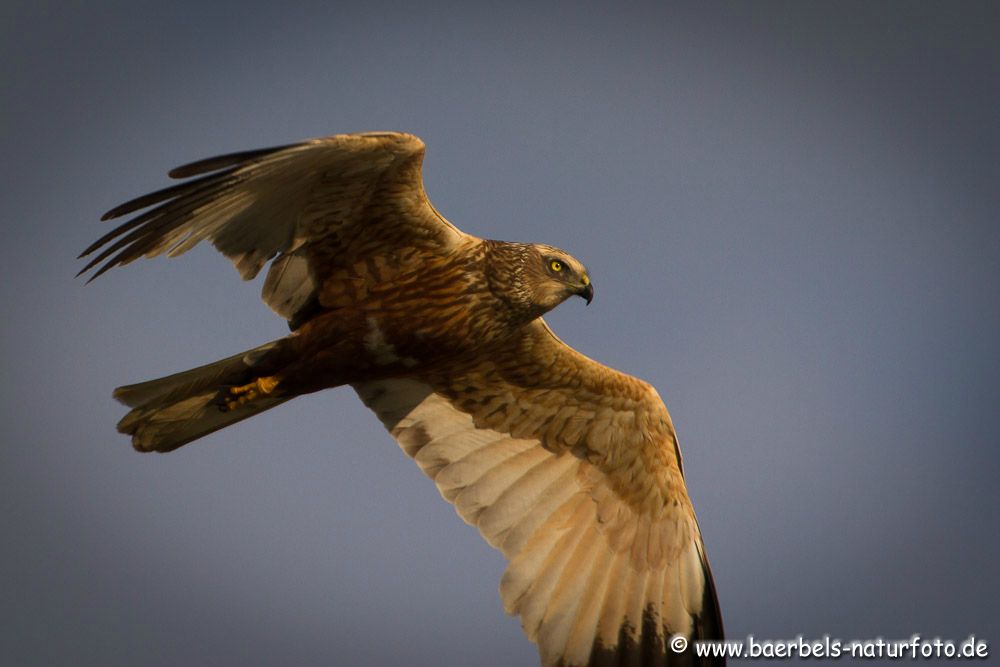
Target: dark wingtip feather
[171, 192]
[708, 624]
[221, 161]
[176, 202]
[170, 202]
[101, 271]
[649, 648]
[212, 164]
[117, 231]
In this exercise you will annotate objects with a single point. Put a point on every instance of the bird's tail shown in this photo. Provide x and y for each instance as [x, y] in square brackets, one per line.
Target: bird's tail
[172, 411]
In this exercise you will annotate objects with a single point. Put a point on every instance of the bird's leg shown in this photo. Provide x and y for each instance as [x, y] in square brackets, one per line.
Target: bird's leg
[243, 394]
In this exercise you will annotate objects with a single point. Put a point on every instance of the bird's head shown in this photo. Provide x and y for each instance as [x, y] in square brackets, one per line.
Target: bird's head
[553, 275]
[534, 278]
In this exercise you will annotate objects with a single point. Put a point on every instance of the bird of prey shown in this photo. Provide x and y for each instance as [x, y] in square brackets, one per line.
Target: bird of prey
[569, 468]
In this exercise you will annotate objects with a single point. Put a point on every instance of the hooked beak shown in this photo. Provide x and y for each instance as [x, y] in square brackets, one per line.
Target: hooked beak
[586, 290]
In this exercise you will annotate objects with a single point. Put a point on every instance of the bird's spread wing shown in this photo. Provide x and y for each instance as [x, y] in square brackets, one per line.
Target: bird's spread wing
[313, 206]
[571, 470]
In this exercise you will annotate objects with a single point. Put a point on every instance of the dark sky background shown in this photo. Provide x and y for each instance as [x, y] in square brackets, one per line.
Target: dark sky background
[789, 211]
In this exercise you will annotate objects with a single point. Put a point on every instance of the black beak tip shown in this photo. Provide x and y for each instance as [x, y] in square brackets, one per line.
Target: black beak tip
[588, 293]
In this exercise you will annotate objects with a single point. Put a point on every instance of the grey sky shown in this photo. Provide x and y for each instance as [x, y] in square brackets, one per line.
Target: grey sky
[789, 211]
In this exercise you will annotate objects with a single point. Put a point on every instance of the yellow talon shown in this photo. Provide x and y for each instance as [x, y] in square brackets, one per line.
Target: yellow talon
[267, 384]
[248, 392]
[262, 385]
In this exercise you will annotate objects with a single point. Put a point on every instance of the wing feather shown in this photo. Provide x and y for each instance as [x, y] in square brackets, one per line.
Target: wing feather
[521, 578]
[221, 161]
[336, 199]
[557, 493]
[572, 527]
[530, 492]
[612, 607]
[476, 497]
[572, 471]
[142, 232]
[562, 607]
[591, 601]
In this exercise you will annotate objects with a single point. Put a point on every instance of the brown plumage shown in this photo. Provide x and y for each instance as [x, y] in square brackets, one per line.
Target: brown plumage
[568, 467]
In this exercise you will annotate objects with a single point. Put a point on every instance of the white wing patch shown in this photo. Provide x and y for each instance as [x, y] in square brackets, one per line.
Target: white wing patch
[382, 351]
[288, 285]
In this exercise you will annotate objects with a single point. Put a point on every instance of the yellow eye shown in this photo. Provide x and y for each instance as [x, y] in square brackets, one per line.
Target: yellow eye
[556, 265]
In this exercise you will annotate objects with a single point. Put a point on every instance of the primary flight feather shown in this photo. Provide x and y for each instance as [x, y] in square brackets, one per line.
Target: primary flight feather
[569, 468]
